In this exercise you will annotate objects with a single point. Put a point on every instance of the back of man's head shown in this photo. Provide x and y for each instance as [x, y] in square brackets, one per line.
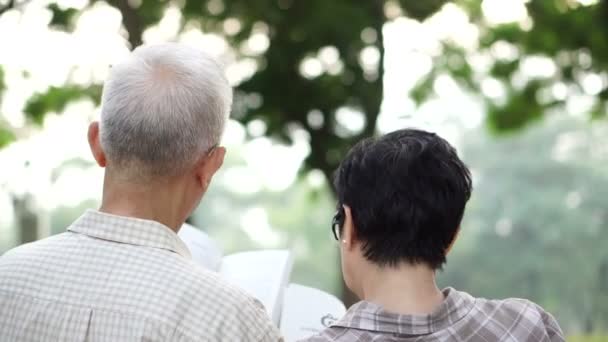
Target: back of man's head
[407, 193]
[162, 109]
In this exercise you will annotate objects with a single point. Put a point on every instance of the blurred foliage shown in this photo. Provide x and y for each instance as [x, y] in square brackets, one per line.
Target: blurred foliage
[536, 224]
[520, 109]
[571, 36]
[2, 85]
[535, 227]
[298, 218]
[296, 30]
[61, 18]
[6, 136]
[56, 98]
[421, 9]
[595, 338]
[568, 34]
[299, 222]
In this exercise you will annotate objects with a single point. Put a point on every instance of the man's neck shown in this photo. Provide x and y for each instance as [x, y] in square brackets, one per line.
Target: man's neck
[146, 201]
[404, 289]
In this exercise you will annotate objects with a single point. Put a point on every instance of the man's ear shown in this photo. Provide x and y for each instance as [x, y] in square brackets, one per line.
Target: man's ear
[208, 166]
[95, 144]
[349, 235]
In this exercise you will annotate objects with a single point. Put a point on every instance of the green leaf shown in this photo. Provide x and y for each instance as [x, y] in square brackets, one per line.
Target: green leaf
[423, 89]
[62, 18]
[55, 99]
[6, 136]
[599, 111]
[521, 109]
[421, 9]
[511, 33]
[151, 11]
[504, 70]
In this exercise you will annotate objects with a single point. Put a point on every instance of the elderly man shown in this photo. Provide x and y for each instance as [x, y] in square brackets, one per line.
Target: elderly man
[401, 201]
[121, 273]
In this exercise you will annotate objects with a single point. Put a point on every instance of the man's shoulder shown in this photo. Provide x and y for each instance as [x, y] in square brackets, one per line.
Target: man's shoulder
[27, 268]
[193, 276]
[32, 249]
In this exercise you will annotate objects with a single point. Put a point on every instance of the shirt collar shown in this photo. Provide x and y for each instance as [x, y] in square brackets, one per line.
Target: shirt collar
[369, 316]
[129, 230]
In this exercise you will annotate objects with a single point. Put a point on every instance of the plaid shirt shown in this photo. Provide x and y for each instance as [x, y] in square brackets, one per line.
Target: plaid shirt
[112, 278]
[459, 318]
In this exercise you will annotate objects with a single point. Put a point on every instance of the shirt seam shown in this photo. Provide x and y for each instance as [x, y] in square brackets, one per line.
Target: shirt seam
[463, 312]
[93, 308]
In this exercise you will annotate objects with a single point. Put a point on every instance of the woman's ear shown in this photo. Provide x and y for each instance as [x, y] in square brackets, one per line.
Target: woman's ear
[349, 235]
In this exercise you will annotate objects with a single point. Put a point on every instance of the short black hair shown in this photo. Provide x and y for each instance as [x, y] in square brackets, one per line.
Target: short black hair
[407, 191]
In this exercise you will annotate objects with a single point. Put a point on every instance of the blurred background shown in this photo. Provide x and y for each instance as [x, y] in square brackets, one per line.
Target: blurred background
[519, 87]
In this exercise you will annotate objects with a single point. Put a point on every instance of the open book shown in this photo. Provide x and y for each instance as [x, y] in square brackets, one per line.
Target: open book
[299, 311]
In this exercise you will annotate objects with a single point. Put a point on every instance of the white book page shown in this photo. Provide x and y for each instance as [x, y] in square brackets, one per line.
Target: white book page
[307, 311]
[264, 274]
[204, 250]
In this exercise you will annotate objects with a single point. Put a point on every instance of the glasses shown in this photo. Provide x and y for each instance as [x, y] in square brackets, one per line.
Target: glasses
[337, 222]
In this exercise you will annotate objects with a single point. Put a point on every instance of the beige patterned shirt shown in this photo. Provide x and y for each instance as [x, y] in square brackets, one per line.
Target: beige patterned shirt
[459, 318]
[112, 278]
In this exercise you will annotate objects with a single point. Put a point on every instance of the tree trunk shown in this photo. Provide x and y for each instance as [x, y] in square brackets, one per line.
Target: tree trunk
[131, 21]
[27, 219]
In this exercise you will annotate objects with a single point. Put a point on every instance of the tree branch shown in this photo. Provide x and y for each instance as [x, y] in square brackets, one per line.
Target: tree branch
[372, 101]
[11, 4]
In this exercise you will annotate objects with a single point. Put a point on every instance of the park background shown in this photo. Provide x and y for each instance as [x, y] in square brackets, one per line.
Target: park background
[519, 87]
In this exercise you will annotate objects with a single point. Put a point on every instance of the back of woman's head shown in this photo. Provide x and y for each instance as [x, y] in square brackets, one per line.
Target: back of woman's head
[407, 192]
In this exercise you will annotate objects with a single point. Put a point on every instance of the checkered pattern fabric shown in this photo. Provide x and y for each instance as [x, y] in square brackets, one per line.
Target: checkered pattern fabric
[112, 278]
[459, 318]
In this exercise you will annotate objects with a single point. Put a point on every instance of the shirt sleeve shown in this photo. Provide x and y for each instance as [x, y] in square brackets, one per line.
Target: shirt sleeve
[551, 326]
[272, 336]
[269, 332]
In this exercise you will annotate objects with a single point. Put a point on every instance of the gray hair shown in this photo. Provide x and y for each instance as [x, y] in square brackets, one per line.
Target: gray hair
[162, 109]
